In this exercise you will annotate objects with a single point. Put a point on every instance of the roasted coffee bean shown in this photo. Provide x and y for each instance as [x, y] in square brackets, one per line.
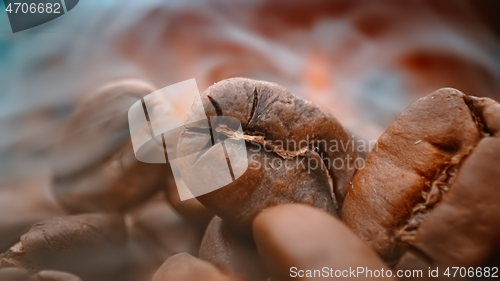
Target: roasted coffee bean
[463, 229]
[49, 275]
[429, 192]
[295, 237]
[232, 251]
[95, 168]
[14, 274]
[89, 245]
[184, 267]
[288, 144]
[23, 203]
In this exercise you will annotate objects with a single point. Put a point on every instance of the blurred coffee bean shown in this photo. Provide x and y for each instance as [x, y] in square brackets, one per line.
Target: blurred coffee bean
[120, 184]
[184, 267]
[91, 246]
[94, 165]
[99, 124]
[49, 275]
[232, 251]
[296, 237]
[14, 274]
[24, 202]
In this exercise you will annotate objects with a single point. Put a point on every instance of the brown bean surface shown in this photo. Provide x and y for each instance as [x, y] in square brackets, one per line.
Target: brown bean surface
[306, 238]
[427, 191]
[74, 244]
[463, 230]
[95, 168]
[184, 267]
[290, 129]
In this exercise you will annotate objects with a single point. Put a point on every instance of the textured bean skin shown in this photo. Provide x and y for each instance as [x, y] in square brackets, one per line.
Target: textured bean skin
[428, 189]
[89, 245]
[269, 111]
[463, 229]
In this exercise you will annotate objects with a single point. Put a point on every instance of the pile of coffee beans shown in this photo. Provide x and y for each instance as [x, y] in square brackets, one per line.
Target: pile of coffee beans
[426, 195]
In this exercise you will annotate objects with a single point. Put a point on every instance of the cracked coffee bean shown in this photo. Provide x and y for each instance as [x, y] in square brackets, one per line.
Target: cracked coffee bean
[17, 274]
[95, 168]
[90, 246]
[289, 149]
[429, 191]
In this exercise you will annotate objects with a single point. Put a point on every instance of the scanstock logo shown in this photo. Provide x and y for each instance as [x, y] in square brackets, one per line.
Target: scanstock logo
[25, 14]
[170, 125]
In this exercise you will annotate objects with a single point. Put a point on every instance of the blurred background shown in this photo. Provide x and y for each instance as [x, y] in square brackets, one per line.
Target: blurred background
[362, 61]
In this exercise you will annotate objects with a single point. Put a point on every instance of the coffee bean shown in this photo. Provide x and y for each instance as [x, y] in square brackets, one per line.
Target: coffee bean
[49, 275]
[94, 165]
[278, 127]
[462, 230]
[89, 245]
[14, 274]
[427, 191]
[295, 237]
[184, 267]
